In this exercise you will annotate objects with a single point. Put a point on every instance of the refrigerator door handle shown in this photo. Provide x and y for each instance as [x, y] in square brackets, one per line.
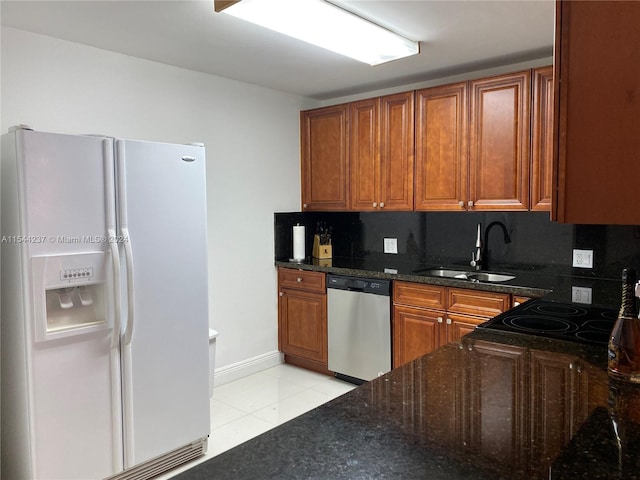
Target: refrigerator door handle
[124, 235]
[109, 188]
[128, 255]
[115, 260]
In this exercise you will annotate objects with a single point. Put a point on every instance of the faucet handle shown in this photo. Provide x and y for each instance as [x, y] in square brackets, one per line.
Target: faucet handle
[476, 259]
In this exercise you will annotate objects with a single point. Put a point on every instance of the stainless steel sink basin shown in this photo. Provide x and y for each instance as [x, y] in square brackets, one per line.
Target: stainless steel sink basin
[467, 275]
[489, 277]
[442, 272]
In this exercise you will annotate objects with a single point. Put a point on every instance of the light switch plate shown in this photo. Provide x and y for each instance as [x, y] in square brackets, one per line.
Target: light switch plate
[390, 245]
[581, 295]
[583, 258]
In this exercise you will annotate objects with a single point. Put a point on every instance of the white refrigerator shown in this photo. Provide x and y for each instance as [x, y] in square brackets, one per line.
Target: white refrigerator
[104, 321]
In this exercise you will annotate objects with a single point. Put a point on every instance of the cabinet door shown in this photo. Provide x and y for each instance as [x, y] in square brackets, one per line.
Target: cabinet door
[416, 332]
[597, 117]
[364, 159]
[498, 394]
[303, 324]
[499, 142]
[396, 152]
[460, 325]
[441, 181]
[325, 168]
[542, 139]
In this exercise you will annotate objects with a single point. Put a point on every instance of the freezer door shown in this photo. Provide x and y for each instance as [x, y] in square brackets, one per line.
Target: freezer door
[162, 222]
[58, 318]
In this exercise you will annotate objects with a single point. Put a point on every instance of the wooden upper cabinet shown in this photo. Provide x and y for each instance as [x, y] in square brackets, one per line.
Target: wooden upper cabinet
[499, 142]
[597, 113]
[441, 148]
[324, 155]
[542, 139]
[396, 151]
[381, 153]
[364, 157]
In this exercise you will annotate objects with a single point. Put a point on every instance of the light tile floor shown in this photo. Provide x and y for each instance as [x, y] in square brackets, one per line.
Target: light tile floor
[247, 407]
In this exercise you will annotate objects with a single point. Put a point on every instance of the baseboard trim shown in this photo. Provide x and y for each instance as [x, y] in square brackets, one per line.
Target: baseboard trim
[238, 370]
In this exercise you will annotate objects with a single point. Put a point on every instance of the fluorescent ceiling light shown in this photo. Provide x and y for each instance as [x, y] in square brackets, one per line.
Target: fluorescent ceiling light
[327, 26]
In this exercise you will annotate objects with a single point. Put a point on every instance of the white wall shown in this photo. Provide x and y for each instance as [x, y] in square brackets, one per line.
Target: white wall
[252, 146]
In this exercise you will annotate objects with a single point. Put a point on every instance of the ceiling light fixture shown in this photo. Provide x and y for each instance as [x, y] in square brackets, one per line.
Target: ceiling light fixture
[324, 25]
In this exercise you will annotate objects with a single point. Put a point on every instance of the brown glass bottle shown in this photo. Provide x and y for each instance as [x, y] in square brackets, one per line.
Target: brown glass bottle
[624, 343]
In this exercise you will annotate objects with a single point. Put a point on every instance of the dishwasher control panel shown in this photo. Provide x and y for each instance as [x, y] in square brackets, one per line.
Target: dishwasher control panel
[357, 284]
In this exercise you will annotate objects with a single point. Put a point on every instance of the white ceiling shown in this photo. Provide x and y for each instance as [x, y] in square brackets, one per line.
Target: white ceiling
[456, 37]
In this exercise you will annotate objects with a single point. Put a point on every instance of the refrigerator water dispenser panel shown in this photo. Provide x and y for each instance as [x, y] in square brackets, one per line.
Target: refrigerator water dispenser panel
[72, 308]
[69, 294]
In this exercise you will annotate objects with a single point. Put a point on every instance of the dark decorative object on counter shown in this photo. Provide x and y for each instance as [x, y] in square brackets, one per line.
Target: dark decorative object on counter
[624, 345]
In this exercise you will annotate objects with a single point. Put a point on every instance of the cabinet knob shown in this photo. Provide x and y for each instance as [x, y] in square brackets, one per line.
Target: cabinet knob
[470, 203]
[299, 279]
[439, 319]
[515, 304]
[281, 294]
[448, 321]
[304, 205]
[461, 203]
[375, 204]
[381, 204]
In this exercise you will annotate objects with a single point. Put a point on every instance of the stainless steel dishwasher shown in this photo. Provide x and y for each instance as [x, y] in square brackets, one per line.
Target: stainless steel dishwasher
[359, 327]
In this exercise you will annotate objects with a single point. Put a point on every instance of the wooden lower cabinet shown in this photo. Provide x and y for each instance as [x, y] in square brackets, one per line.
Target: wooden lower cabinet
[459, 325]
[415, 332]
[426, 317]
[302, 318]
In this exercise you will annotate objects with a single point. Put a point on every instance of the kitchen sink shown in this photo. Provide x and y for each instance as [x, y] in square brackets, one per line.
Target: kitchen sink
[466, 275]
[442, 272]
[489, 277]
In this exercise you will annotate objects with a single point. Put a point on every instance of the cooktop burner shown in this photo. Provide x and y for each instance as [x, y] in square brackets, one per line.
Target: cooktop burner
[564, 321]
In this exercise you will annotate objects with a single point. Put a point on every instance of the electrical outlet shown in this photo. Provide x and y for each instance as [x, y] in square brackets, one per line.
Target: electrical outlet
[581, 295]
[583, 258]
[390, 245]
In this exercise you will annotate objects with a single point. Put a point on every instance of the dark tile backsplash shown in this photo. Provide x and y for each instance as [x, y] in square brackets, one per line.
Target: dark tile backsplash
[448, 238]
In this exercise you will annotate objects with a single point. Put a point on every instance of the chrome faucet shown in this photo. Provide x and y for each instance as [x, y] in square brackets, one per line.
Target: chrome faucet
[481, 255]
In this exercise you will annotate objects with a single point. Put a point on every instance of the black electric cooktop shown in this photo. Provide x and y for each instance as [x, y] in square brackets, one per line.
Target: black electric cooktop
[565, 321]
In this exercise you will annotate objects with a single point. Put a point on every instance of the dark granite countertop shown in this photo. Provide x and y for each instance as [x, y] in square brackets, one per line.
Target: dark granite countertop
[493, 405]
[551, 282]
